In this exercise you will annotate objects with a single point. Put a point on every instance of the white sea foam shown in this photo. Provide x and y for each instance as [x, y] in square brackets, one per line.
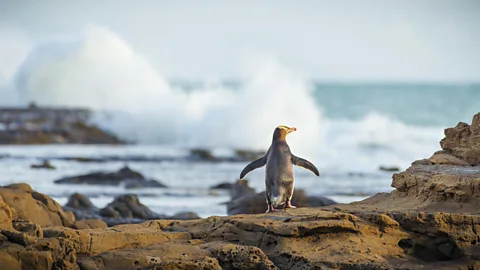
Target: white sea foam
[101, 71]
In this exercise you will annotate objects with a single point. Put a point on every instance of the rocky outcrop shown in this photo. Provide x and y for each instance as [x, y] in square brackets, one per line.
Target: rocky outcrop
[245, 200]
[35, 125]
[125, 176]
[463, 141]
[124, 209]
[26, 204]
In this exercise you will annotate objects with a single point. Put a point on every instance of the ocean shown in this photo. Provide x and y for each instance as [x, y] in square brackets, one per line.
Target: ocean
[348, 130]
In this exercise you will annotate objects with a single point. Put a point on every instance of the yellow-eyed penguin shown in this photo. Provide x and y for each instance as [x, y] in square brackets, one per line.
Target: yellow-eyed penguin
[279, 180]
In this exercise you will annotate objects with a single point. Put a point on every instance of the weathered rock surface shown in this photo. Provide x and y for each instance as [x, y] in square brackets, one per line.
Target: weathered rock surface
[26, 204]
[245, 200]
[463, 141]
[125, 176]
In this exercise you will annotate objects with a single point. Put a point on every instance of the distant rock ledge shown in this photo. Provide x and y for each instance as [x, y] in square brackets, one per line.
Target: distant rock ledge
[48, 125]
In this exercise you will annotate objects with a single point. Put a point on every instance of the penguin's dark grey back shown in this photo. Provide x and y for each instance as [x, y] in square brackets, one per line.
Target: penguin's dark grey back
[278, 172]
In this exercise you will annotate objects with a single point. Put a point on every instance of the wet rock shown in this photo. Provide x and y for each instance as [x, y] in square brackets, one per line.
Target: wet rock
[248, 155]
[126, 176]
[245, 200]
[202, 155]
[225, 185]
[127, 209]
[389, 168]
[45, 165]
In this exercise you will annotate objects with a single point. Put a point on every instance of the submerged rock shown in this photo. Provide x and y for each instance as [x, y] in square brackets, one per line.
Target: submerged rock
[45, 165]
[245, 200]
[389, 168]
[224, 185]
[126, 176]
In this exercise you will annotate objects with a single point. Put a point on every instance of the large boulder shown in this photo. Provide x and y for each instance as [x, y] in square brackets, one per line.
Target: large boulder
[245, 200]
[38, 208]
[125, 176]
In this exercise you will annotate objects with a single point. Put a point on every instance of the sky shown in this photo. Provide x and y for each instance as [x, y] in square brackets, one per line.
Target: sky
[432, 41]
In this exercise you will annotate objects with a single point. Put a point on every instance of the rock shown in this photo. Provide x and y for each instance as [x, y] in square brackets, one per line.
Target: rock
[45, 165]
[247, 155]
[244, 200]
[5, 215]
[202, 155]
[127, 209]
[89, 224]
[35, 207]
[444, 157]
[79, 201]
[225, 185]
[40, 125]
[126, 176]
[463, 141]
[185, 216]
[389, 169]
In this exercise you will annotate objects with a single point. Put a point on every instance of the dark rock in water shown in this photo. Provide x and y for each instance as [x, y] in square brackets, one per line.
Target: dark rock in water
[244, 200]
[203, 155]
[45, 165]
[185, 216]
[128, 207]
[126, 176]
[125, 209]
[222, 186]
[389, 169]
[79, 201]
[248, 155]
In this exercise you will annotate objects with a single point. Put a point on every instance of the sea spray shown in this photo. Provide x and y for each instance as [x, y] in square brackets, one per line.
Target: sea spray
[99, 70]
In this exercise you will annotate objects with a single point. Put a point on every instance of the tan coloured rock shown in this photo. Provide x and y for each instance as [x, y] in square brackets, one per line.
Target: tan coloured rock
[463, 141]
[5, 215]
[35, 207]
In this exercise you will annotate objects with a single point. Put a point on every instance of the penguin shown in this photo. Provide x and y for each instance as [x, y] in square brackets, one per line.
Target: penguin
[279, 160]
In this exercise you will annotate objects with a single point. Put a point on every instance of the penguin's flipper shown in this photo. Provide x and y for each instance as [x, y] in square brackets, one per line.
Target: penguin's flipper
[254, 165]
[298, 161]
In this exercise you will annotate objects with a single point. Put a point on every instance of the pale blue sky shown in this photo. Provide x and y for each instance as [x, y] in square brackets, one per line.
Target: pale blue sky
[328, 40]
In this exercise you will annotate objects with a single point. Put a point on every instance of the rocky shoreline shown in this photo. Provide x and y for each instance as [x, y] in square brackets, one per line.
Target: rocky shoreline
[430, 221]
[44, 125]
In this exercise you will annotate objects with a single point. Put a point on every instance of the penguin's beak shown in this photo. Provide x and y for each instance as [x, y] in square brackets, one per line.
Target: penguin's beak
[292, 130]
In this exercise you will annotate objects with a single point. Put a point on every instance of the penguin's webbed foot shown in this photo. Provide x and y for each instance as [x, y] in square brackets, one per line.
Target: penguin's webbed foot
[289, 205]
[271, 209]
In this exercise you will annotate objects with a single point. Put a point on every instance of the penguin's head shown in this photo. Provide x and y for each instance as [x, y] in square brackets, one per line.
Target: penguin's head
[281, 132]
